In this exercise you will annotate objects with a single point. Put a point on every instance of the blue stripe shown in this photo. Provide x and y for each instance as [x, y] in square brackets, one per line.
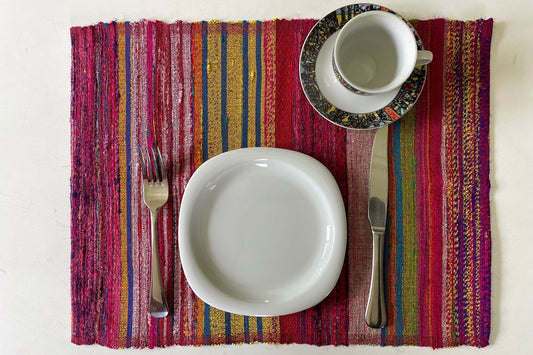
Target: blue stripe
[246, 329]
[223, 85]
[228, 327]
[224, 123]
[259, 69]
[205, 156]
[128, 184]
[244, 139]
[207, 323]
[399, 228]
[260, 328]
[205, 111]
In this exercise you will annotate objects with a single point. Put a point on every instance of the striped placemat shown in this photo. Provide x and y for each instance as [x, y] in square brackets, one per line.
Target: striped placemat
[198, 89]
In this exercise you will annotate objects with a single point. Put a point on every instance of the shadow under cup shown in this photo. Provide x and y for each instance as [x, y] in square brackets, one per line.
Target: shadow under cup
[375, 52]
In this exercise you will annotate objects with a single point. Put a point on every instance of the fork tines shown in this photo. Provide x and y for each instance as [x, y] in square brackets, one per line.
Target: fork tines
[153, 168]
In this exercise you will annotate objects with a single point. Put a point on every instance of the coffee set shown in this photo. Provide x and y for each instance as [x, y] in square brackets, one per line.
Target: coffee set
[263, 231]
[362, 66]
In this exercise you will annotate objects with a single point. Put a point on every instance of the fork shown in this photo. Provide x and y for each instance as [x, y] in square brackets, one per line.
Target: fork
[155, 193]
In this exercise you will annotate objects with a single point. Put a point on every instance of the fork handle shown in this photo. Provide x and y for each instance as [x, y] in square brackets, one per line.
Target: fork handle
[158, 302]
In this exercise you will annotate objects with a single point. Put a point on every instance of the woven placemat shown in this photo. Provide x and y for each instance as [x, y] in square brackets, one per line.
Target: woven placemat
[198, 89]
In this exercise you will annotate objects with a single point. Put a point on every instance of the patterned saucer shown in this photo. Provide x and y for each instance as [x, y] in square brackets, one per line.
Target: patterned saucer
[336, 103]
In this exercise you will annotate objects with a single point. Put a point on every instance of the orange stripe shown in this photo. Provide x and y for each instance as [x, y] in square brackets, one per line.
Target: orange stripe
[214, 72]
[268, 100]
[469, 155]
[196, 32]
[197, 316]
[252, 80]
[451, 106]
[123, 325]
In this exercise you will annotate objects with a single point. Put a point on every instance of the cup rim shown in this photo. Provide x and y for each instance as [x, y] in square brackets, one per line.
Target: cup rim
[390, 86]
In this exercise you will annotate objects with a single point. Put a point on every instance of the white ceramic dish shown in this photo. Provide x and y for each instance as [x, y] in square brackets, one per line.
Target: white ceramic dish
[262, 231]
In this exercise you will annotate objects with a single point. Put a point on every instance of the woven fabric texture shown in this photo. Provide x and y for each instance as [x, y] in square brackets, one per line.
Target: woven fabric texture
[199, 89]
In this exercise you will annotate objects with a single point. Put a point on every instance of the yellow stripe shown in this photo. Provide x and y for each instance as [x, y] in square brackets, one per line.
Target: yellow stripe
[214, 144]
[470, 135]
[218, 325]
[252, 80]
[252, 329]
[123, 325]
[237, 328]
[234, 86]
[410, 288]
[197, 97]
[268, 97]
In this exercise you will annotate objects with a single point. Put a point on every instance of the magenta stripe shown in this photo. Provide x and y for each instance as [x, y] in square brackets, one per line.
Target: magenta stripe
[100, 312]
[423, 229]
[83, 188]
[163, 114]
[144, 217]
[111, 171]
[435, 93]
[483, 162]
[187, 170]
[146, 138]
[150, 81]
[135, 177]
[423, 194]
[177, 109]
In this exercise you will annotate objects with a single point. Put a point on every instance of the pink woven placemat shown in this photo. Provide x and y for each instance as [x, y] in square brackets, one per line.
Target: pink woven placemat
[198, 89]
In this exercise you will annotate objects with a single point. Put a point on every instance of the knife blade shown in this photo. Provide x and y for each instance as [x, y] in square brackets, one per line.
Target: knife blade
[376, 314]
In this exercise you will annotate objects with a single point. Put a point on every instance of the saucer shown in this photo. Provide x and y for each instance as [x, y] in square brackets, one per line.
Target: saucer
[262, 231]
[332, 100]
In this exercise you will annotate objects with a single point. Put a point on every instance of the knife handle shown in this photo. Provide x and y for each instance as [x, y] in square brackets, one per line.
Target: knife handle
[376, 312]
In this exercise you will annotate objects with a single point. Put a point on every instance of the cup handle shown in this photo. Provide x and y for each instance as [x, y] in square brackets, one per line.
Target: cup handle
[424, 57]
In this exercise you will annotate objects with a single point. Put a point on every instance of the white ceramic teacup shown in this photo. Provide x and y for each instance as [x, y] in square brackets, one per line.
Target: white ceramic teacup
[375, 52]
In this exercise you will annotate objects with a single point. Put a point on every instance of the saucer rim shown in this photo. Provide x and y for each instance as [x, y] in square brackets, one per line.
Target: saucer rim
[392, 111]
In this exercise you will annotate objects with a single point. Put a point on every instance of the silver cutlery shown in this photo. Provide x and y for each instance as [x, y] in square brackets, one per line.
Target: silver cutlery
[155, 193]
[376, 313]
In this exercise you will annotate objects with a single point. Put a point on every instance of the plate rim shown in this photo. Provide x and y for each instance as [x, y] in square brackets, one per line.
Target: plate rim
[214, 296]
[321, 31]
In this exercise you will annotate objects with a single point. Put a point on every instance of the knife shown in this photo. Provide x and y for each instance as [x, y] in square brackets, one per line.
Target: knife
[376, 313]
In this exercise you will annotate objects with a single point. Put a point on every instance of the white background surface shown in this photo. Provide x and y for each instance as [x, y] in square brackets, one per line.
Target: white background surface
[35, 162]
